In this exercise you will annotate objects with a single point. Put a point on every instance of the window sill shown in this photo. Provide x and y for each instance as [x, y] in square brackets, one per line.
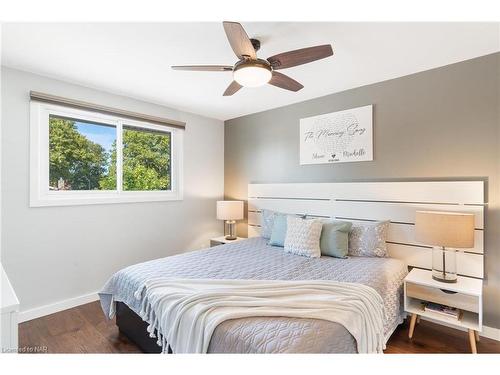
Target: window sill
[76, 199]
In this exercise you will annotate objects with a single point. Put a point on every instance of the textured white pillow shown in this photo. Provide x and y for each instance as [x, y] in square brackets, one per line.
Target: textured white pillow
[302, 237]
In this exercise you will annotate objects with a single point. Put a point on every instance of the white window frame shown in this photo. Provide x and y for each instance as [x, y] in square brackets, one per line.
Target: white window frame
[41, 196]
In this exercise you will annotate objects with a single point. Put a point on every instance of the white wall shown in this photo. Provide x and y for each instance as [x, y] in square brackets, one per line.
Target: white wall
[56, 253]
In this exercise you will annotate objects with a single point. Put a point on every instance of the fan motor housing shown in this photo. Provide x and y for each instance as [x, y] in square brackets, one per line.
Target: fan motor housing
[260, 63]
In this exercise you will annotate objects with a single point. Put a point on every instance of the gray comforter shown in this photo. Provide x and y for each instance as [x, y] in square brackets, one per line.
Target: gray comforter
[254, 259]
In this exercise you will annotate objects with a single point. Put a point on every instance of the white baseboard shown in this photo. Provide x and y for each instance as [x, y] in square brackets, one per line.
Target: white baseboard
[38, 312]
[491, 333]
[488, 332]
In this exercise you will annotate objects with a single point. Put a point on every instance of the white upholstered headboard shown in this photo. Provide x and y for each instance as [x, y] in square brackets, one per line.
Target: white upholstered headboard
[394, 201]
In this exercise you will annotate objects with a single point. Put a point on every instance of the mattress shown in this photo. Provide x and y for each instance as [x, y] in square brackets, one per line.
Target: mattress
[254, 259]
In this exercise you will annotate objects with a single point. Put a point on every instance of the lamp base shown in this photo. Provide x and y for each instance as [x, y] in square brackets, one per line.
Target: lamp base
[231, 224]
[448, 281]
[444, 265]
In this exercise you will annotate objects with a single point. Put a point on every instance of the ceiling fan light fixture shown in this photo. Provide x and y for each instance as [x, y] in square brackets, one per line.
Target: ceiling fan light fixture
[250, 71]
[252, 74]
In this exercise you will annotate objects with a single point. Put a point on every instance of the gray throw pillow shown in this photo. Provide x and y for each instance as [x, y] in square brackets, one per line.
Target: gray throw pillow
[267, 223]
[368, 239]
[334, 240]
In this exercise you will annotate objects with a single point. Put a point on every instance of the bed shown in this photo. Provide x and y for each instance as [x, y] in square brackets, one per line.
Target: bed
[254, 259]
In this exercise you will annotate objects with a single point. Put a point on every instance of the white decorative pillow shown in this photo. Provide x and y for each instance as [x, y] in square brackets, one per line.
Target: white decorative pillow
[302, 237]
[368, 239]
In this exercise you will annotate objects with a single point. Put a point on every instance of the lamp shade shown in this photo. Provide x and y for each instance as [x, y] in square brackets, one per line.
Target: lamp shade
[446, 229]
[229, 210]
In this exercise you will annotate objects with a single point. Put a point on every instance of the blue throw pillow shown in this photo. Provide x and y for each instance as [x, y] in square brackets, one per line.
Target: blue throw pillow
[334, 241]
[278, 232]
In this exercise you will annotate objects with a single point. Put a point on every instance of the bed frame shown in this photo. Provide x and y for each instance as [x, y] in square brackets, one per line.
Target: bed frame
[134, 328]
[358, 201]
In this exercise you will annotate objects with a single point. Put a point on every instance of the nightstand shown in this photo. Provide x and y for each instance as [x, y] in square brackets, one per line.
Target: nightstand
[222, 240]
[466, 295]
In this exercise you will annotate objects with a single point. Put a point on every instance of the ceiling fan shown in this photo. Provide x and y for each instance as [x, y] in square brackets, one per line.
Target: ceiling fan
[250, 71]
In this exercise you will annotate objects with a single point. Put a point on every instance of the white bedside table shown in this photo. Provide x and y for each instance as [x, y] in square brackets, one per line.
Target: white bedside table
[466, 294]
[216, 241]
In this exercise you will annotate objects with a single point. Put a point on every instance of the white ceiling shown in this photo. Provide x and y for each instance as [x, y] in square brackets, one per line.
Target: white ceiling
[134, 59]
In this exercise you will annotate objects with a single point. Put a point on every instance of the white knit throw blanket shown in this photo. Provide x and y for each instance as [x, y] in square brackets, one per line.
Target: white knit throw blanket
[185, 312]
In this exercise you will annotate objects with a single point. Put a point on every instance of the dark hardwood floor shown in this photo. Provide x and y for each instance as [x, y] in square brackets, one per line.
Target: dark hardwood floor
[84, 329]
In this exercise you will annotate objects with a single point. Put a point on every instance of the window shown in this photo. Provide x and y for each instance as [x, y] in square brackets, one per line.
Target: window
[83, 157]
[80, 155]
[146, 159]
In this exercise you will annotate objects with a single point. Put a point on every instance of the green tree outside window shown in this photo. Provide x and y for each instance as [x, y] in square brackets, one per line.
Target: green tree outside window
[77, 163]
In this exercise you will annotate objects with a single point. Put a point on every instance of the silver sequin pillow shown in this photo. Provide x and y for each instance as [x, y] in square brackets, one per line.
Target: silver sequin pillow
[267, 223]
[368, 239]
[302, 237]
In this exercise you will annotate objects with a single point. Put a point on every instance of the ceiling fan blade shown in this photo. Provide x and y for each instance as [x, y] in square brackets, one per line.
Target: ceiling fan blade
[204, 68]
[285, 82]
[239, 41]
[300, 56]
[232, 88]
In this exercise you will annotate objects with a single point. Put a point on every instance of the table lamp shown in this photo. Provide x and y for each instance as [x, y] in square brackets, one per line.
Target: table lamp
[230, 211]
[446, 232]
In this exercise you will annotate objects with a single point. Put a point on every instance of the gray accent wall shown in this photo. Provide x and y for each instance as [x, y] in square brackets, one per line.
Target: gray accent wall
[52, 254]
[441, 124]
